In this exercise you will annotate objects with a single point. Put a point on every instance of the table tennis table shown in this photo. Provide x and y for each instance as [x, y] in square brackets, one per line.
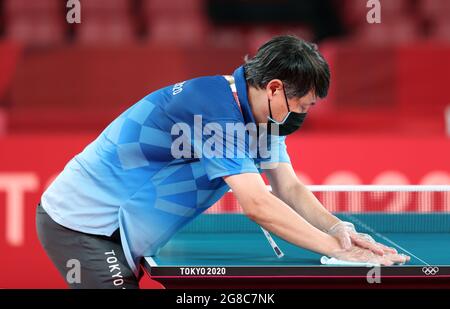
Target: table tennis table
[230, 251]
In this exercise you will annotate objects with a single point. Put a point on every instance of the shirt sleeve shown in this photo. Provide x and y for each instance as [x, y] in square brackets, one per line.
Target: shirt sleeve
[276, 152]
[224, 149]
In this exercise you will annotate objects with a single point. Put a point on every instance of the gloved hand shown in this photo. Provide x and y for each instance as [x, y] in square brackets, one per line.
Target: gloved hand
[346, 234]
[358, 254]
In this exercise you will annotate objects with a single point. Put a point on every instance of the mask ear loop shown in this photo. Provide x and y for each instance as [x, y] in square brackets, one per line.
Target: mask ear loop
[270, 109]
[285, 96]
[287, 103]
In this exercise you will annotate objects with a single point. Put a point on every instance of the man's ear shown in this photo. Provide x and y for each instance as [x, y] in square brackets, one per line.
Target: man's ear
[274, 87]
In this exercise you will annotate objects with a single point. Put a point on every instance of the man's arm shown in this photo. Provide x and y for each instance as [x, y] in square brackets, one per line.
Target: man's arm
[274, 215]
[287, 187]
[277, 217]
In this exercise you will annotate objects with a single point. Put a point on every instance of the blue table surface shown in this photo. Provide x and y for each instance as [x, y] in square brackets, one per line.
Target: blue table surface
[252, 249]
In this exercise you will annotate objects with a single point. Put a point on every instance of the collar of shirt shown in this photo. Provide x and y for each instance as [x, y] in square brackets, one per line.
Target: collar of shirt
[241, 87]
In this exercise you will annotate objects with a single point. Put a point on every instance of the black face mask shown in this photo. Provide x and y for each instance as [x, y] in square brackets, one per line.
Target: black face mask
[292, 122]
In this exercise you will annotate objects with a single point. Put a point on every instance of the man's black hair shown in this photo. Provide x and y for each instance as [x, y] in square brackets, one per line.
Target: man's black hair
[297, 63]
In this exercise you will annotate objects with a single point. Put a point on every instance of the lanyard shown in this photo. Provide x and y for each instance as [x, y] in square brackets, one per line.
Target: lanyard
[232, 84]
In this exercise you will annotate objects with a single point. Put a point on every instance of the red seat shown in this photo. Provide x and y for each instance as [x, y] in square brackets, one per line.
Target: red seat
[105, 30]
[106, 5]
[399, 30]
[35, 22]
[435, 8]
[179, 31]
[105, 22]
[24, 6]
[176, 21]
[173, 7]
[36, 30]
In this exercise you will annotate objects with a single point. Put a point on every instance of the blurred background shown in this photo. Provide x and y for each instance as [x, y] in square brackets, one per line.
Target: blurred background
[386, 120]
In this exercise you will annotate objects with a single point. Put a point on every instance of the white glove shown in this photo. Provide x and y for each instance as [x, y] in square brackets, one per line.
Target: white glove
[361, 255]
[346, 234]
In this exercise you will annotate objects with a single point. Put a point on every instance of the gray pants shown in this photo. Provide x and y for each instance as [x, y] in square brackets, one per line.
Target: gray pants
[85, 261]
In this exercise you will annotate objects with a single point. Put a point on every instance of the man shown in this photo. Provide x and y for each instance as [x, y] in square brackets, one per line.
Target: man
[147, 175]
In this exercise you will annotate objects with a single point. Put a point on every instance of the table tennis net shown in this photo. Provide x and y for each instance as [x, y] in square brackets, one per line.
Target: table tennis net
[381, 208]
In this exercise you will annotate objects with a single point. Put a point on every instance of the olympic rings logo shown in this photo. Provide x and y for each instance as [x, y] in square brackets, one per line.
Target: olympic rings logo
[430, 271]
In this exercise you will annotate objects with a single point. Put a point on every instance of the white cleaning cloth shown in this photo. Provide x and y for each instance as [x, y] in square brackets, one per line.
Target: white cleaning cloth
[333, 261]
